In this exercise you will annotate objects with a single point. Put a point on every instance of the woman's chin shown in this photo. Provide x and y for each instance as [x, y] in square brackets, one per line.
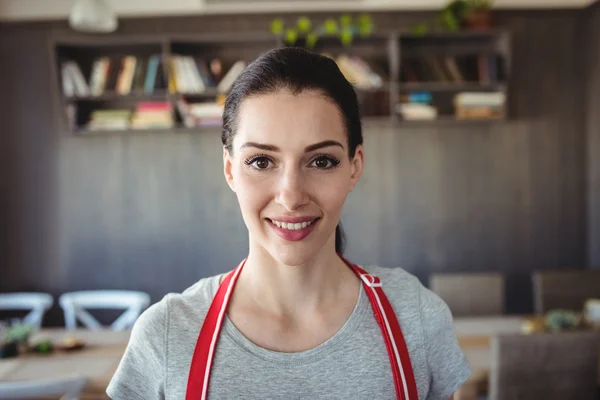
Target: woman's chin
[294, 255]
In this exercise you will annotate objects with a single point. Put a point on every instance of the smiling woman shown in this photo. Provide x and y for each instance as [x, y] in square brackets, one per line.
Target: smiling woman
[294, 320]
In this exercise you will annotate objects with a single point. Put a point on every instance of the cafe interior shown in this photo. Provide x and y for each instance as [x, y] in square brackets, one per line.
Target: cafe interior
[482, 143]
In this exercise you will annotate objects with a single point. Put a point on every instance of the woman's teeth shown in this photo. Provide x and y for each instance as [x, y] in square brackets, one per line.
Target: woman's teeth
[291, 226]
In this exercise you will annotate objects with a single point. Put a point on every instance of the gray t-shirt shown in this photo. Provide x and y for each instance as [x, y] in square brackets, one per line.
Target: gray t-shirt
[353, 364]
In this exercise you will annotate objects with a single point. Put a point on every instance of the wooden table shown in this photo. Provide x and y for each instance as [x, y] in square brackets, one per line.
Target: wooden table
[97, 361]
[474, 336]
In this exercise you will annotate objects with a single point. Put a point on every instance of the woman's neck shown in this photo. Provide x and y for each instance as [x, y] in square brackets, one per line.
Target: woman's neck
[294, 291]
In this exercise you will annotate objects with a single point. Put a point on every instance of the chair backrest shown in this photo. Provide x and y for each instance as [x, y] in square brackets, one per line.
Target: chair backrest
[552, 366]
[567, 289]
[36, 303]
[74, 305]
[69, 388]
[470, 294]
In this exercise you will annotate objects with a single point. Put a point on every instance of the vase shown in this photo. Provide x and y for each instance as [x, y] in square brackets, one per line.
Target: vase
[9, 350]
[478, 20]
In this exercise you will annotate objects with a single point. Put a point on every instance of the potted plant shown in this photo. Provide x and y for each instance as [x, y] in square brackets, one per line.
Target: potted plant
[478, 14]
[15, 340]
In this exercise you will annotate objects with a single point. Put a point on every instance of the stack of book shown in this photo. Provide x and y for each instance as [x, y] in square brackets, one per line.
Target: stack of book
[204, 114]
[477, 105]
[417, 107]
[359, 72]
[153, 115]
[194, 75]
[110, 120]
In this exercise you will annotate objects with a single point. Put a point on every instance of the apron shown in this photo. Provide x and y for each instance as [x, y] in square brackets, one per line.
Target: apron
[404, 380]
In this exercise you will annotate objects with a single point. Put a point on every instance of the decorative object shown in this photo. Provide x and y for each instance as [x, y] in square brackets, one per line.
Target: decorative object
[534, 325]
[457, 15]
[562, 320]
[43, 347]
[15, 340]
[453, 15]
[478, 14]
[93, 16]
[592, 313]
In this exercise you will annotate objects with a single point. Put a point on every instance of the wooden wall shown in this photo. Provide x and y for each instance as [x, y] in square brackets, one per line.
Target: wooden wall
[152, 212]
[592, 63]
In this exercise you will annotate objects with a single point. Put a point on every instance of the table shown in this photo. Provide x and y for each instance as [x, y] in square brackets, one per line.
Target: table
[474, 337]
[98, 361]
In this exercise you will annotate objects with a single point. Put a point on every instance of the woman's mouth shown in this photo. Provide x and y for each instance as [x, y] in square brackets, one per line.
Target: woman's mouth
[293, 231]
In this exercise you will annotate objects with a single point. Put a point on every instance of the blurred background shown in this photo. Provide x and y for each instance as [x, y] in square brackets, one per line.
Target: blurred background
[482, 138]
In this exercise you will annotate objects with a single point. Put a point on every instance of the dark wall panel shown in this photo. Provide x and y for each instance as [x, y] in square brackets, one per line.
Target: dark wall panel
[152, 212]
[593, 133]
[28, 146]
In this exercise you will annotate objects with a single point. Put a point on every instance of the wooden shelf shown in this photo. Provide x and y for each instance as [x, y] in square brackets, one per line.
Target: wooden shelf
[161, 95]
[129, 132]
[449, 120]
[451, 87]
[386, 52]
[461, 35]
[210, 92]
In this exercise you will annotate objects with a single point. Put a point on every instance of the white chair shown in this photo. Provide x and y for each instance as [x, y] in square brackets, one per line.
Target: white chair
[36, 303]
[68, 388]
[74, 305]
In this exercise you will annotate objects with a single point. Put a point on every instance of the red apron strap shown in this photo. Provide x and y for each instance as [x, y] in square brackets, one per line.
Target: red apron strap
[197, 387]
[404, 378]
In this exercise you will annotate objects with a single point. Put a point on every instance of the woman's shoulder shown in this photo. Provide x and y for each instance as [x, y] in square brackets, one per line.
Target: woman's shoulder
[191, 304]
[402, 287]
[396, 280]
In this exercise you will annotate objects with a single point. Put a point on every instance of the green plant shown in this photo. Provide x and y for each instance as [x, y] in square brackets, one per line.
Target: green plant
[420, 29]
[18, 333]
[453, 15]
[561, 320]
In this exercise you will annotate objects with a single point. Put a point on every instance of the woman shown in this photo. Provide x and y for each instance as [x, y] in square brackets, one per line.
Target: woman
[295, 320]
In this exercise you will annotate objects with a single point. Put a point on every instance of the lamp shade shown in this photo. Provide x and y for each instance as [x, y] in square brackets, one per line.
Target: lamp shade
[93, 16]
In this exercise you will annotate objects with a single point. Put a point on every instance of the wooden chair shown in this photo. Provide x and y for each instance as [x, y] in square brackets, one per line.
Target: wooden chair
[568, 289]
[470, 294]
[554, 366]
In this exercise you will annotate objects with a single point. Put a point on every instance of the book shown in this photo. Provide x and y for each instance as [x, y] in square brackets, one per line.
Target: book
[97, 78]
[125, 79]
[72, 73]
[454, 71]
[225, 84]
[139, 76]
[151, 73]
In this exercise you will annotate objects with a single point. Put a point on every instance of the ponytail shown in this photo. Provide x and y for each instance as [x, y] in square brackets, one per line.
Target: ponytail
[340, 239]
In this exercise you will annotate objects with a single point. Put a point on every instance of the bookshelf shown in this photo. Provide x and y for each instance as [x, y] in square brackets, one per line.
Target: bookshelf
[177, 83]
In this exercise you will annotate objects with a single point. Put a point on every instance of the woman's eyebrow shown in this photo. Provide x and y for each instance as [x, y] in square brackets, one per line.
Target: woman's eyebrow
[320, 145]
[267, 147]
[307, 149]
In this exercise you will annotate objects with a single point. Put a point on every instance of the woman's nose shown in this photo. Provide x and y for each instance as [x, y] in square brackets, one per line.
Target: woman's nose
[292, 192]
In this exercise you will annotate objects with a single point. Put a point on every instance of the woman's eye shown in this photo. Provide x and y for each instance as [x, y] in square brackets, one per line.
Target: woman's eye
[261, 163]
[323, 162]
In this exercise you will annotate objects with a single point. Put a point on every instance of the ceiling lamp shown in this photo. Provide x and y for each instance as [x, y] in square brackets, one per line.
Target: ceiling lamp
[93, 16]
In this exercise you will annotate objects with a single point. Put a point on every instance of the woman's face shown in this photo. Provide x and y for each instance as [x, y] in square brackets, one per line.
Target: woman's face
[291, 173]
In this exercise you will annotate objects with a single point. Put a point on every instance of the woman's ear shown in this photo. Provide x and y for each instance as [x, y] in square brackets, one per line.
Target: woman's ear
[228, 168]
[357, 165]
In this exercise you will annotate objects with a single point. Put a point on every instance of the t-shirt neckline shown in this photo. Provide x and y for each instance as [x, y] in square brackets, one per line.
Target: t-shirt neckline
[303, 357]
